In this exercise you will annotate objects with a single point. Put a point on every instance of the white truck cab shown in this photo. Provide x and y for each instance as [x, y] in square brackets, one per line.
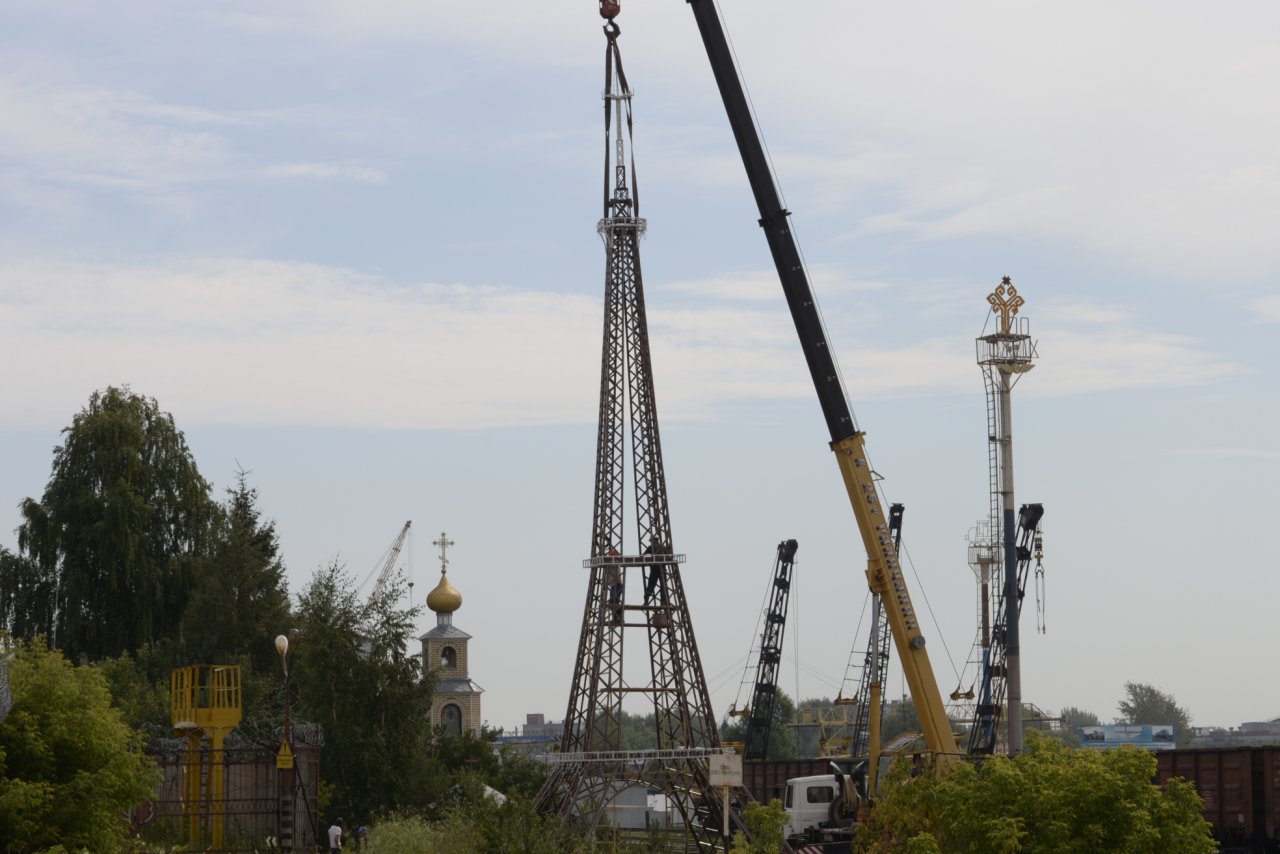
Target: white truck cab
[808, 803]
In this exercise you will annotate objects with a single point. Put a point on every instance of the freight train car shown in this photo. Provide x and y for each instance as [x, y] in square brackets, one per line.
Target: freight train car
[1241, 791]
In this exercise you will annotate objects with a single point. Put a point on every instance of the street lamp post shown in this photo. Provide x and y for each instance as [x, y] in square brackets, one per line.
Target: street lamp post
[284, 756]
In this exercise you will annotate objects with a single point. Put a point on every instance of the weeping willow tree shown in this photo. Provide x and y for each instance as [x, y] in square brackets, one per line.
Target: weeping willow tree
[109, 552]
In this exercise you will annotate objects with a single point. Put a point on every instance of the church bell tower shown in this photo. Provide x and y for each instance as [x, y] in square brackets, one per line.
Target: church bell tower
[456, 704]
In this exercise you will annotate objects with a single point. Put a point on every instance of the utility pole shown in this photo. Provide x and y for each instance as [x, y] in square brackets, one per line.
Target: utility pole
[285, 756]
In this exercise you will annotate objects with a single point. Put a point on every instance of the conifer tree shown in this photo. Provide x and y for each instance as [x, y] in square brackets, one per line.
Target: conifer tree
[239, 599]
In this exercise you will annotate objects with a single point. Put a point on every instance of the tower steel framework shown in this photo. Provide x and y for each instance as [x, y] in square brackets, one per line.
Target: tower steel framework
[591, 769]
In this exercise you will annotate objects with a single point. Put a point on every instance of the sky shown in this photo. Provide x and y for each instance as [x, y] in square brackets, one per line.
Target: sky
[351, 248]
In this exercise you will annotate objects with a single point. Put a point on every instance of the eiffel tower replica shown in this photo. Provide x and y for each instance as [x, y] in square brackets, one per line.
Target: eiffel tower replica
[630, 591]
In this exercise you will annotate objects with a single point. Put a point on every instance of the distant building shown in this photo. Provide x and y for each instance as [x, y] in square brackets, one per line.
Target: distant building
[537, 737]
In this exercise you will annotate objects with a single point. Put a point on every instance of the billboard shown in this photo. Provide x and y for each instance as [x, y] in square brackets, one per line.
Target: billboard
[1149, 736]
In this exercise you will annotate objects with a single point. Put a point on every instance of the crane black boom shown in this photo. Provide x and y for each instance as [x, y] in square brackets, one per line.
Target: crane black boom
[773, 219]
[764, 696]
[884, 575]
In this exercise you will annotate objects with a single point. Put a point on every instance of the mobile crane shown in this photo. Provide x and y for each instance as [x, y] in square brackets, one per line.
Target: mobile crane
[884, 573]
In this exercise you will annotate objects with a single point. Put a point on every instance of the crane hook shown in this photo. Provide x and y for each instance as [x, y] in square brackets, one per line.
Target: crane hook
[609, 9]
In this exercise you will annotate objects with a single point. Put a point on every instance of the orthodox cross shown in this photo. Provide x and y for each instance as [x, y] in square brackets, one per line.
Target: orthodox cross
[1005, 302]
[444, 544]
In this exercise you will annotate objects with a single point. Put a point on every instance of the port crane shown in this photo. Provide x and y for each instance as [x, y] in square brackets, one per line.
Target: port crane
[848, 442]
[763, 696]
[390, 562]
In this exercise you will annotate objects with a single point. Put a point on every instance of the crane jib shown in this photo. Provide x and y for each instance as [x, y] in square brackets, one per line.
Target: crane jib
[884, 574]
[777, 229]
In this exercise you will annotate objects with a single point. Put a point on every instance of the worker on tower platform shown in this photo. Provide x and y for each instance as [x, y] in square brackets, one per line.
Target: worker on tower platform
[653, 572]
[613, 578]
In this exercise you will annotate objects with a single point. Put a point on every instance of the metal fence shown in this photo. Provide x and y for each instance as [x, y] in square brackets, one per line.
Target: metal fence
[255, 797]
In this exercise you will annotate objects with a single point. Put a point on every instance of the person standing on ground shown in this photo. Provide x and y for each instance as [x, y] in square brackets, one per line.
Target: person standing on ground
[335, 838]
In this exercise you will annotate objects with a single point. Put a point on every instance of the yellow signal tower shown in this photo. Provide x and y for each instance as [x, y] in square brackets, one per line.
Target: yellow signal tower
[206, 702]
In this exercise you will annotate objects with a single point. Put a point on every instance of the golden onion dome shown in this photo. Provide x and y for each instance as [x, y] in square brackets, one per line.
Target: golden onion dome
[445, 598]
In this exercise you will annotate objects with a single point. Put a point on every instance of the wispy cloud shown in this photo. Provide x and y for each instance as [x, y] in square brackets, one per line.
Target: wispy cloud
[101, 137]
[259, 342]
[1057, 311]
[1268, 308]
[329, 171]
[68, 136]
[1117, 357]
[762, 285]
[1054, 128]
[263, 342]
[1231, 453]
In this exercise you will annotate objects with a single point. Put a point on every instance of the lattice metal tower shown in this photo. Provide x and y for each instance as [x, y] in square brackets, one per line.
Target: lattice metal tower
[634, 590]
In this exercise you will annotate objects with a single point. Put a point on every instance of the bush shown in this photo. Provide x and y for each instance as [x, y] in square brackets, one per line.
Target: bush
[1051, 798]
[69, 766]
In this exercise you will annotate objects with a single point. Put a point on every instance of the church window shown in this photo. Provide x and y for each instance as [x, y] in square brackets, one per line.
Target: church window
[451, 720]
[449, 658]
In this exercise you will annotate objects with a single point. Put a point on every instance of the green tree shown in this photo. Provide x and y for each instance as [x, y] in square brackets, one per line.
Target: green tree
[899, 717]
[764, 823]
[355, 678]
[69, 766]
[782, 733]
[637, 732]
[26, 596]
[1051, 798]
[1146, 704]
[1072, 721]
[117, 533]
[239, 600]
[140, 686]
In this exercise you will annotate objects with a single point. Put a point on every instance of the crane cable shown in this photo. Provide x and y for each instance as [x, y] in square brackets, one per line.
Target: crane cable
[929, 607]
[752, 649]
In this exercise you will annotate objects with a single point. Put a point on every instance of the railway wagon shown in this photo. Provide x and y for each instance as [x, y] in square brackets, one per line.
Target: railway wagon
[1240, 787]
